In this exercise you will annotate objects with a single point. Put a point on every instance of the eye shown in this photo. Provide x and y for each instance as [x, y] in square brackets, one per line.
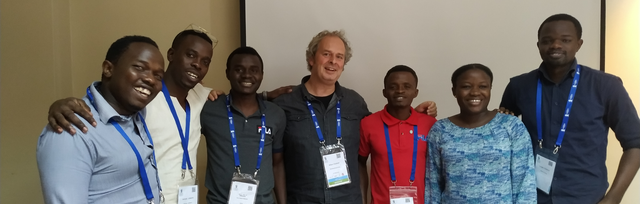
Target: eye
[158, 77]
[138, 67]
[191, 55]
[206, 63]
[566, 40]
[325, 54]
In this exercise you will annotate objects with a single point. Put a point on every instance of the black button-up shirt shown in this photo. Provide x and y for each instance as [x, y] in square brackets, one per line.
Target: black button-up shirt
[303, 163]
[600, 103]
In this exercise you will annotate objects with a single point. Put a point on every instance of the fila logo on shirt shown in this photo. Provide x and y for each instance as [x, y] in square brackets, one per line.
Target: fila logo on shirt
[268, 132]
[422, 137]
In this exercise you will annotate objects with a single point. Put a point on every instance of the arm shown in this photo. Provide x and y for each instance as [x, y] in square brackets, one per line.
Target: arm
[62, 115]
[621, 115]
[278, 157]
[61, 157]
[279, 177]
[428, 107]
[364, 178]
[270, 95]
[363, 155]
[508, 104]
[434, 182]
[522, 167]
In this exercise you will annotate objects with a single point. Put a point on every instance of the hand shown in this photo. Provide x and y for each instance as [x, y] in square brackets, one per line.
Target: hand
[504, 110]
[62, 111]
[213, 95]
[279, 91]
[428, 107]
[607, 201]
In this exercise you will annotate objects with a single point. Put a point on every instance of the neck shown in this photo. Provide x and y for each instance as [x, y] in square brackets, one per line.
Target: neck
[319, 88]
[557, 73]
[400, 113]
[176, 90]
[246, 103]
[108, 96]
[471, 119]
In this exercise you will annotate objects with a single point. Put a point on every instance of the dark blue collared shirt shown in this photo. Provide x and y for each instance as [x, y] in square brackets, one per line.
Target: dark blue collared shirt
[600, 103]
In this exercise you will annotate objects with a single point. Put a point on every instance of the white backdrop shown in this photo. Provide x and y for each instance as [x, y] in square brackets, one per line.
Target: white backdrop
[432, 37]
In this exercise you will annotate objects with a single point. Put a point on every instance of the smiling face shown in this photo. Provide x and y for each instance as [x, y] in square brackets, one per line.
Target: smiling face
[558, 43]
[400, 89]
[473, 91]
[245, 73]
[135, 79]
[189, 61]
[328, 62]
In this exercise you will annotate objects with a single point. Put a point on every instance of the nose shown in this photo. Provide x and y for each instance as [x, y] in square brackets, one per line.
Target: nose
[475, 91]
[196, 65]
[555, 44]
[149, 79]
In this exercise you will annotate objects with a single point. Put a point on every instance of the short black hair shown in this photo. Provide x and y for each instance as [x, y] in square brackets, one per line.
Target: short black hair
[465, 68]
[400, 68]
[247, 51]
[178, 39]
[563, 17]
[121, 45]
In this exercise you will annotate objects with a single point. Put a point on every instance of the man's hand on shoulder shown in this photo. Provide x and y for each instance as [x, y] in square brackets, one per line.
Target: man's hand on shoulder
[62, 115]
[428, 107]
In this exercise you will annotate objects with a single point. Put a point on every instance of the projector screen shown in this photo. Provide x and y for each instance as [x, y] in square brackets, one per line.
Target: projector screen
[432, 37]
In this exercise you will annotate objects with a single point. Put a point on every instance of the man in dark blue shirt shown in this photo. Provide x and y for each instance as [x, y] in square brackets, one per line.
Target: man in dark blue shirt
[568, 109]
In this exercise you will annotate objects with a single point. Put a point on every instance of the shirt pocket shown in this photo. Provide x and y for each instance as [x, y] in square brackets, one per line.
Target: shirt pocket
[298, 129]
[350, 129]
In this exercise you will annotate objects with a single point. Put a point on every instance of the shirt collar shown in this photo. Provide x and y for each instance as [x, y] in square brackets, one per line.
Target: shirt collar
[262, 107]
[571, 73]
[391, 121]
[105, 111]
[307, 96]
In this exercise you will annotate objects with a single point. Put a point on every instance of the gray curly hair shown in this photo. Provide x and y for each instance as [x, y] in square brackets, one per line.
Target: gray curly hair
[313, 45]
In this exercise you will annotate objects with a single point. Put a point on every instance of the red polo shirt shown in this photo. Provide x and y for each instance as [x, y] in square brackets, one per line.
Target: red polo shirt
[372, 141]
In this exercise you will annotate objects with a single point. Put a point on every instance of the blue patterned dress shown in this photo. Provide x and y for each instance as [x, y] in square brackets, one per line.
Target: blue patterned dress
[492, 163]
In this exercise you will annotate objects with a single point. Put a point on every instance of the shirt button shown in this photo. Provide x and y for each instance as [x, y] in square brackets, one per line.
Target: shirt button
[402, 133]
[556, 103]
[246, 121]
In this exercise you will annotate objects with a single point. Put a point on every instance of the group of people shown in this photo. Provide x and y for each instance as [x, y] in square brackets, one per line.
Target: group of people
[310, 143]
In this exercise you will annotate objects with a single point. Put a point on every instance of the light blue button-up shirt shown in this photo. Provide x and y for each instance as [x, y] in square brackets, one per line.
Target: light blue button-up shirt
[99, 166]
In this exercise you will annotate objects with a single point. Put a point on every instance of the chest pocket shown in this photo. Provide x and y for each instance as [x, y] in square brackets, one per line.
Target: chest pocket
[299, 126]
[350, 128]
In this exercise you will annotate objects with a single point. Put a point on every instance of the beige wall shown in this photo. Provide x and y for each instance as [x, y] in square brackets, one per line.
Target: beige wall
[623, 59]
[53, 49]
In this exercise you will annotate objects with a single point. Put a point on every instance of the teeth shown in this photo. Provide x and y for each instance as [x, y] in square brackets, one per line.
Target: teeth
[475, 101]
[192, 75]
[399, 98]
[143, 91]
[246, 83]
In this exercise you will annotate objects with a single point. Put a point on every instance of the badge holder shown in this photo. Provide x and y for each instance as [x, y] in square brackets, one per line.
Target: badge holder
[188, 189]
[545, 167]
[244, 188]
[403, 194]
[334, 160]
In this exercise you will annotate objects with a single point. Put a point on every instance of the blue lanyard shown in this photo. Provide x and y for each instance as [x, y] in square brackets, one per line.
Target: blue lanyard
[315, 122]
[234, 142]
[415, 155]
[184, 135]
[565, 119]
[143, 173]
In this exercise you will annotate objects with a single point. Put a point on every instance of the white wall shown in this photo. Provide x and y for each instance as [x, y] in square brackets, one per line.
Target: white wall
[433, 37]
[623, 59]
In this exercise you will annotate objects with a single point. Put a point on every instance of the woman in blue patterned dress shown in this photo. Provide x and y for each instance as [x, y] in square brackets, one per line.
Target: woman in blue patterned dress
[479, 156]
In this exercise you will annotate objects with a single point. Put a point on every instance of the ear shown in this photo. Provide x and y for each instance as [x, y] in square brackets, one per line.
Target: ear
[538, 44]
[579, 44]
[170, 54]
[416, 95]
[311, 62]
[107, 69]
[226, 71]
[384, 93]
[453, 91]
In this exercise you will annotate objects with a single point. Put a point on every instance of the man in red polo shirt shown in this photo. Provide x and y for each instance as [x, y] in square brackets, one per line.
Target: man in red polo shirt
[395, 137]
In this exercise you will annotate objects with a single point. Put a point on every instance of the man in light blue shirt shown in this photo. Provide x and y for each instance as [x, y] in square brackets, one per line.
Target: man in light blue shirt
[115, 163]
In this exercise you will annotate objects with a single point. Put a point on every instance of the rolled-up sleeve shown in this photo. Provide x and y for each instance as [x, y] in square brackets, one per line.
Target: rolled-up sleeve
[621, 115]
[65, 163]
